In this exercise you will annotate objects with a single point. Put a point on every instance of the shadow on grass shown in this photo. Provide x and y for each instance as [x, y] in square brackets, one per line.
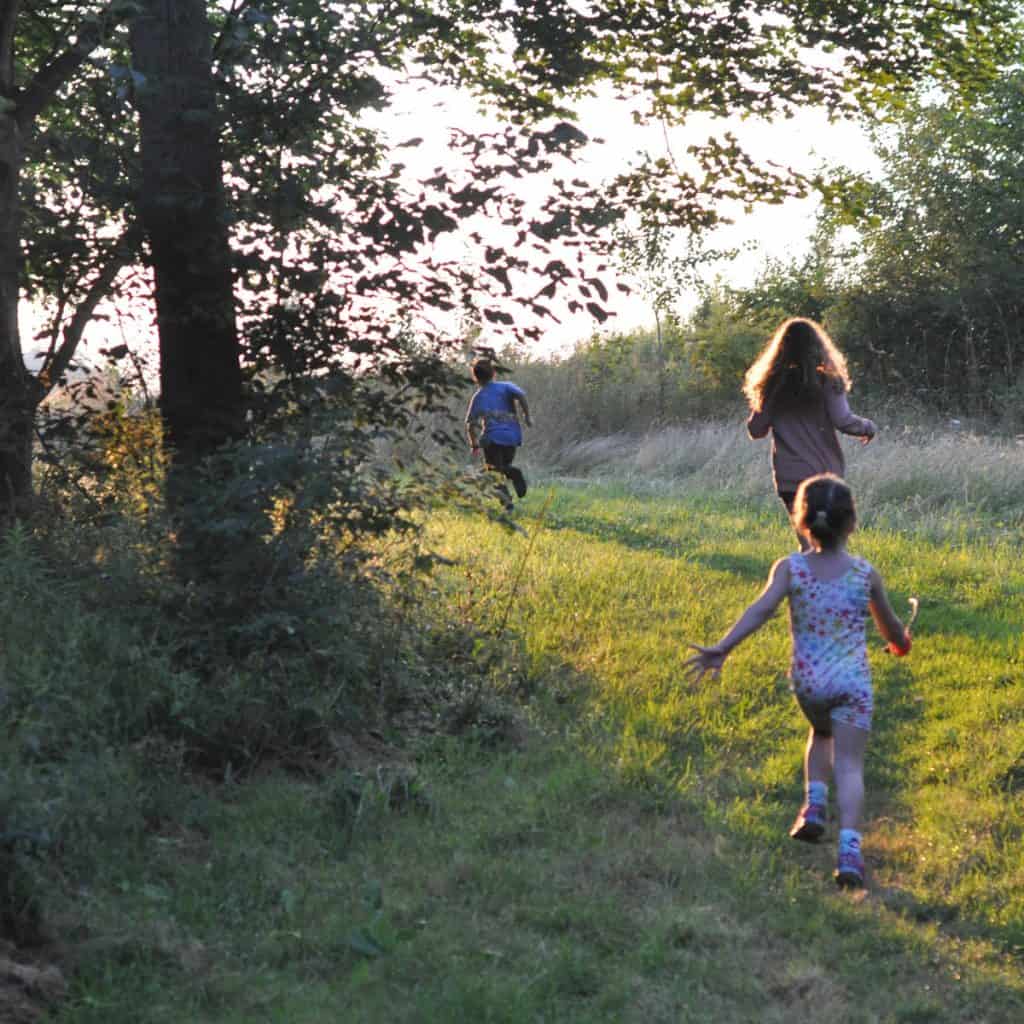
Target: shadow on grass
[939, 614]
[687, 544]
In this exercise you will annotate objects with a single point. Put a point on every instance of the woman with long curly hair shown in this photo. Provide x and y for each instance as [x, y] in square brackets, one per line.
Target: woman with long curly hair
[796, 389]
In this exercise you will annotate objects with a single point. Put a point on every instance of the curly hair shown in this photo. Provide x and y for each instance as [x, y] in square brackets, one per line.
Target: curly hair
[794, 365]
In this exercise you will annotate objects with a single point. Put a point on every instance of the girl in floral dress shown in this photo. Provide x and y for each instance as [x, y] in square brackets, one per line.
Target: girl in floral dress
[830, 594]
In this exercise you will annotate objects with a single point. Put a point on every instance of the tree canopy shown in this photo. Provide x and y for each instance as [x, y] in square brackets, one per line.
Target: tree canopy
[334, 254]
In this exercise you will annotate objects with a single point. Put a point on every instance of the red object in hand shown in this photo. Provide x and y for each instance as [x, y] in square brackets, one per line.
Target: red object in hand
[901, 652]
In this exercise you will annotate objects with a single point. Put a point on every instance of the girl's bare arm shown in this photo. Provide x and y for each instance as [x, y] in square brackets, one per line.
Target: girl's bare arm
[888, 622]
[756, 615]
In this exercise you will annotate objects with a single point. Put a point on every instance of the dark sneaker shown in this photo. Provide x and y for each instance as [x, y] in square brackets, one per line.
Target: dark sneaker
[809, 826]
[850, 870]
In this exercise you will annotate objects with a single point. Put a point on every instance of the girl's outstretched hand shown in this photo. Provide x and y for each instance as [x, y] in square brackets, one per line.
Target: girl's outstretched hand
[707, 659]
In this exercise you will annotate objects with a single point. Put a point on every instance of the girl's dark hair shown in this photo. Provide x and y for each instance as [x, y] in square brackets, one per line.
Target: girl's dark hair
[793, 366]
[824, 509]
[482, 370]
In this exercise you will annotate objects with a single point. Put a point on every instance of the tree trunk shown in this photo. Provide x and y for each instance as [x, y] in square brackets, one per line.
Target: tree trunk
[182, 208]
[18, 393]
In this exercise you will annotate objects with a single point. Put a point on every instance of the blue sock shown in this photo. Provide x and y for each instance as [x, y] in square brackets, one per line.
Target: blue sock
[849, 839]
[817, 793]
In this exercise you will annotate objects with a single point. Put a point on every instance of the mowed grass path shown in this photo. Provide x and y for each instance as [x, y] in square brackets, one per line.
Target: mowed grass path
[624, 858]
[639, 868]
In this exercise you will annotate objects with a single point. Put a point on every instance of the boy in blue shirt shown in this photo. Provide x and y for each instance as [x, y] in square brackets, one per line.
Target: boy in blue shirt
[493, 406]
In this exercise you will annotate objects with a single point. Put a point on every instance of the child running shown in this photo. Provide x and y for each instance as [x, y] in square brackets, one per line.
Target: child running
[494, 406]
[830, 594]
[796, 388]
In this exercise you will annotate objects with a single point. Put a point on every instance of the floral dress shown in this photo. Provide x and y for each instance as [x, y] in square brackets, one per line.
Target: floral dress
[829, 670]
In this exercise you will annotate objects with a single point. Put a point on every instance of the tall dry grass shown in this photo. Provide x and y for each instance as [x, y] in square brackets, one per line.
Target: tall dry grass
[941, 479]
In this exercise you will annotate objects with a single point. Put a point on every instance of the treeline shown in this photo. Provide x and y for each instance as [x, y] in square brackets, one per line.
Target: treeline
[918, 276]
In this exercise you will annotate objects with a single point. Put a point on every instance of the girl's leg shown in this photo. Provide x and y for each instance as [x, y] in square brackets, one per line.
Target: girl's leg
[810, 822]
[849, 744]
[787, 498]
[818, 757]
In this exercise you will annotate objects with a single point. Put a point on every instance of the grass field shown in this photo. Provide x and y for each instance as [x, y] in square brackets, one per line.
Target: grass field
[616, 849]
[706, 781]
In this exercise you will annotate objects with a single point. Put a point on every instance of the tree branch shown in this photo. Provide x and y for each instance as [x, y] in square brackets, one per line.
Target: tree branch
[230, 16]
[44, 85]
[60, 66]
[122, 253]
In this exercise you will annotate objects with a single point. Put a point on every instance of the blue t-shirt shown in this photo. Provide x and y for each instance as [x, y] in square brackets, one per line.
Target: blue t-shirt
[494, 403]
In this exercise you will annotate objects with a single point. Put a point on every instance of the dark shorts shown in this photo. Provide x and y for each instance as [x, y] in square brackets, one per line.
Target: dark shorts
[787, 498]
[499, 456]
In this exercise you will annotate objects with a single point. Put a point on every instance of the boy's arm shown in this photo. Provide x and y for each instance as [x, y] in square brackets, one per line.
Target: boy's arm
[521, 399]
[756, 615]
[889, 625]
[472, 425]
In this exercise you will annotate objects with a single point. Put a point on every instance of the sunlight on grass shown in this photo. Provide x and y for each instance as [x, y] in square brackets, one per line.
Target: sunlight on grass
[622, 858]
[619, 580]
[949, 484]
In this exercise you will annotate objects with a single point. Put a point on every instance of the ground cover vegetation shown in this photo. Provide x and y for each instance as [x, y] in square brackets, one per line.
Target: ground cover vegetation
[243, 649]
[548, 824]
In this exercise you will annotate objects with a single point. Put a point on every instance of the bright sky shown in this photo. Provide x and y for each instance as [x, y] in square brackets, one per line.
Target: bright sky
[781, 232]
[804, 142]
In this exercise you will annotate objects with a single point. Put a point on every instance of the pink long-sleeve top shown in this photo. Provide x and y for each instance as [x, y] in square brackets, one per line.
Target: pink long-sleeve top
[804, 439]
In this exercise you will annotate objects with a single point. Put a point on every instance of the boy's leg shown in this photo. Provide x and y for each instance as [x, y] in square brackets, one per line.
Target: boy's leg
[495, 459]
[498, 457]
[515, 474]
